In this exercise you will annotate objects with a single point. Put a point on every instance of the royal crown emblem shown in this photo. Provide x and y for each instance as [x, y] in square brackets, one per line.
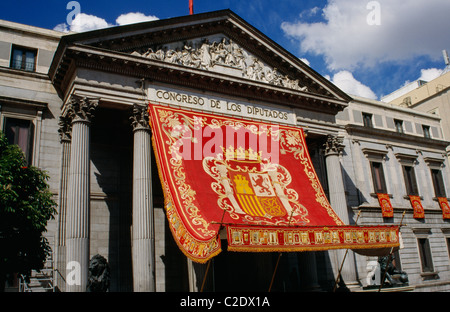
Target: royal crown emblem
[251, 187]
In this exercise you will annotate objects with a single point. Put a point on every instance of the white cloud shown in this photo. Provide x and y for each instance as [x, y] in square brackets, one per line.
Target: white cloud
[430, 74]
[63, 27]
[131, 18]
[345, 81]
[85, 22]
[305, 61]
[426, 75]
[346, 39]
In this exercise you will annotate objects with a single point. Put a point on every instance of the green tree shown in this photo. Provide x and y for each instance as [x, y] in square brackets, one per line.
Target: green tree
[26, 205]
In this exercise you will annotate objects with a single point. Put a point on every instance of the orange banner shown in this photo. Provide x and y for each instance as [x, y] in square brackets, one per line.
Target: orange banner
[386, 206]
[443, 202]
[254, 180]
[417, 207]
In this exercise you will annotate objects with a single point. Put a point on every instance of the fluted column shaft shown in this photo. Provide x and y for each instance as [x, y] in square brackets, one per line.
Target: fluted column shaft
[78, 201]
[143, 229]
[65, 133]
[338, 202]
[336, 188]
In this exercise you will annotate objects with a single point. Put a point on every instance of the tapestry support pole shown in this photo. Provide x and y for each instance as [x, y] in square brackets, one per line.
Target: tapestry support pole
[275, 271]
[206, 274]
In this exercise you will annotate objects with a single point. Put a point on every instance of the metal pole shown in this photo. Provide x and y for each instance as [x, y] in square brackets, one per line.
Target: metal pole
[275, 271]
[206, 274]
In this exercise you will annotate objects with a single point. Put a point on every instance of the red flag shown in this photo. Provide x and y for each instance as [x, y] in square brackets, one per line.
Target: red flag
[386, 206]
[443, 202]
[191, 7]
[417, 206]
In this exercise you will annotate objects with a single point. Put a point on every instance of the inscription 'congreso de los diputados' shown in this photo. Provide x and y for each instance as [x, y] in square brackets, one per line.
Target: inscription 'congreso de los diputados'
[221, 105]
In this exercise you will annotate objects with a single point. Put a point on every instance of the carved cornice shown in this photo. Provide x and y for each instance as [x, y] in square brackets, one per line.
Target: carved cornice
[175, 74]
[406, 158]
[81, 108]
[394, 137]
[435, 162]
[139, 118]
[372, 153]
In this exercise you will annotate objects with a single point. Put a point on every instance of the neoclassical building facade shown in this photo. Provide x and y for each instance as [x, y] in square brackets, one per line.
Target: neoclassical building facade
[85, 102]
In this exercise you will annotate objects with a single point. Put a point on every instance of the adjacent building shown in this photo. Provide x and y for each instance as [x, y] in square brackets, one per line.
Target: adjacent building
[387, 151]
[77, 105]
[431, 97]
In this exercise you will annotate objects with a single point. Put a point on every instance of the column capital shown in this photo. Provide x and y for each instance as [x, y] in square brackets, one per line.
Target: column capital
[65, 129]
[139, 117]
[333, 145]
[81, 108]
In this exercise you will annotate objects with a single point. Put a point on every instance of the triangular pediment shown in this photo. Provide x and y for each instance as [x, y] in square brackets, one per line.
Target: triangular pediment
[219, 44]
[219, 54]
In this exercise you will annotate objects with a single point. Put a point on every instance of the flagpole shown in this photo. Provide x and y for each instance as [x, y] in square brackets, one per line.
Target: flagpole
[338, 277]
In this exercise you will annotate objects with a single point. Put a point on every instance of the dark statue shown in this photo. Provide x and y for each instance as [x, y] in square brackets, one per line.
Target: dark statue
[99, 274]
[393, 276]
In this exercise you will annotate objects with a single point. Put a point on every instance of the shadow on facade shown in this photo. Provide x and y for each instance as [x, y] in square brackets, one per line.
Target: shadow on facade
[111, 194]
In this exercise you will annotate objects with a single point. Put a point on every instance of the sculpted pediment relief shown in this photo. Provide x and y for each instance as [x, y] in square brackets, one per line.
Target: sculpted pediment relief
[220, 54]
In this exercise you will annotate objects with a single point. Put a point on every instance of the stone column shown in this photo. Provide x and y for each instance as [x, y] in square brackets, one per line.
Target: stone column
[65, 129]
[308, 271]
[78, 202]
[143, 229]
[338, 201]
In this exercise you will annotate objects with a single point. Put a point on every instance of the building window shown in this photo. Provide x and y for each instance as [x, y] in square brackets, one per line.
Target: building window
[438, 183]
[379, 183]
[367, 119]
[23, 58]
[426, 131]
[20, 132]
[398, 125]
[425, 254]
[410, 180]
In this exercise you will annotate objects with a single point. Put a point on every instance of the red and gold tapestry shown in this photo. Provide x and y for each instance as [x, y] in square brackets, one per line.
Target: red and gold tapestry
[443, 202]
[253, 180]
[386, 207]
[417, 207]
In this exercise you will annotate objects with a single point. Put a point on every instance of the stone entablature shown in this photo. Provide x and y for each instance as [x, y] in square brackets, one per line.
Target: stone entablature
[220, 105]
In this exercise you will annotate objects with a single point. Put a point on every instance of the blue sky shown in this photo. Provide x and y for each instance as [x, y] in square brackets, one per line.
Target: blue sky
[367, 48]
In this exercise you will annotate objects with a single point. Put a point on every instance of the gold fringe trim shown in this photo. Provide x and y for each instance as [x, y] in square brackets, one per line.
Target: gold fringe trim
[167, 202]
[307, 248]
